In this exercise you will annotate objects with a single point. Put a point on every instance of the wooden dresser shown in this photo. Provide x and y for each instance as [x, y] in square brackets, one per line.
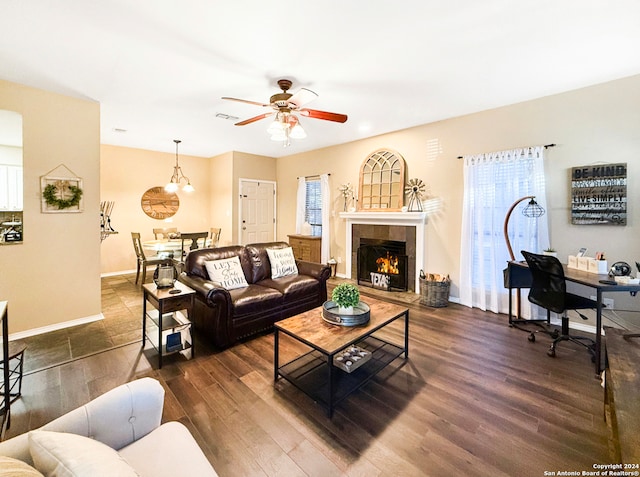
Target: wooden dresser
[306, 247]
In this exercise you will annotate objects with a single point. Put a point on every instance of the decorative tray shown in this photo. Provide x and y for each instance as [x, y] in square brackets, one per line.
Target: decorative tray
[351, 358]
[360, 315]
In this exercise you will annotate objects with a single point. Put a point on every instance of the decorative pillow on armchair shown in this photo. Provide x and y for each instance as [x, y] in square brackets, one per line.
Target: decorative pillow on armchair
[69, 455]
[226, 273]
[282, 261]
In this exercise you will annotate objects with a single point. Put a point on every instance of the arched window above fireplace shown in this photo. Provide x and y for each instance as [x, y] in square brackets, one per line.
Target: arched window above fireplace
[382, 182]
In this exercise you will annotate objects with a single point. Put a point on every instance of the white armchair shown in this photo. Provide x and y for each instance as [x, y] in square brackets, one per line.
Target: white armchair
[127, 419]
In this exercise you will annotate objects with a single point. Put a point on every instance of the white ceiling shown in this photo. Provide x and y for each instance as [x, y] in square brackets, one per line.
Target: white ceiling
[159, 68]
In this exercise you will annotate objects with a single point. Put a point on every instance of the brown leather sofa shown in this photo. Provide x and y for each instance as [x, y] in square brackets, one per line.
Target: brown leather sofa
[225, 316]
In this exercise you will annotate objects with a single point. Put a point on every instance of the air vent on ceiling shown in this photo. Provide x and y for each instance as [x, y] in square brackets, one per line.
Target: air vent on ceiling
[227, 117]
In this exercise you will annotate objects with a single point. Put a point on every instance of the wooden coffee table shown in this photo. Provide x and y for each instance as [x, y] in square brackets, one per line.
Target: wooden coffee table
[314, 372]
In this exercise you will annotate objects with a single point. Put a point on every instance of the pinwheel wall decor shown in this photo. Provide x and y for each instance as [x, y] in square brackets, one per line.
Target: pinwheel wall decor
[415, 189]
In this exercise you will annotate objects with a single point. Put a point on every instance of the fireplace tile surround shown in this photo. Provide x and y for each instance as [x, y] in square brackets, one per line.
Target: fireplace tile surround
[408, 227]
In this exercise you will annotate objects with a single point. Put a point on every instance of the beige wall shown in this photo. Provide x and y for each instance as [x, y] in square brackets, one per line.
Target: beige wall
[125, 174]
[53, 277]
[598, 124]
[222, 196]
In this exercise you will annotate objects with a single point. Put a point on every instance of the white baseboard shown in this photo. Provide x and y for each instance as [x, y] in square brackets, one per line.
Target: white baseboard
[55, 327]
[113, 274]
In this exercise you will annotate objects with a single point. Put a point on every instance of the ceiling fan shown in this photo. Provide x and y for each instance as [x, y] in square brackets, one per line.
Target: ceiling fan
[286, 106]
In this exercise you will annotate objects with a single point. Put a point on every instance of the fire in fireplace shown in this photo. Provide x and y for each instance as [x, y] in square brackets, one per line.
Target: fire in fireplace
[388, 264]
[383, 264]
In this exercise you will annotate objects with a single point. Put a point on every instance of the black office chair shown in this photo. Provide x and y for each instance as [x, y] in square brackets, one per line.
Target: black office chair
[549, 291]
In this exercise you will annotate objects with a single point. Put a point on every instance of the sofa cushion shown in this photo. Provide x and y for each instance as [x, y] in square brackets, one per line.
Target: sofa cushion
[294, 287]
[259, 259]
[282, 262]
[226, 273]
[10, 467]
[253, 299]
[170, 450]
[195, 261]
[69, 455]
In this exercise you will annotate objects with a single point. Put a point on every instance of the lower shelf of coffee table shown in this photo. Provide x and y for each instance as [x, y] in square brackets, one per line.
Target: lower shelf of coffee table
[309, 372]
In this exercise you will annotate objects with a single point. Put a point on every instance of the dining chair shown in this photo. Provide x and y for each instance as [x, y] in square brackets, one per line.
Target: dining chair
[215, 236]
[164, 233]
[142, 261]
[193, 237]
[549, 291]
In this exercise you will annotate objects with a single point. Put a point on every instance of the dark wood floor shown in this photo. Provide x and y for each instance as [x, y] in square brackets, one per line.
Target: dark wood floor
[475, 398]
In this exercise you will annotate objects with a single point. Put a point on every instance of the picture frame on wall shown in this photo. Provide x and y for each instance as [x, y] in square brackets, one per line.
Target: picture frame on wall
[599, 194]
[61, 192]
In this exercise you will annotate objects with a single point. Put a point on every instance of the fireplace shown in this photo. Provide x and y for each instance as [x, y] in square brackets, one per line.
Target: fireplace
[383, 264]
[408, 227]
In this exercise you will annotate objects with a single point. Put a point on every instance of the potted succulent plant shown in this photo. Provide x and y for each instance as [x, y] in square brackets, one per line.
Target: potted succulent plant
[346, 296]
[550, 251]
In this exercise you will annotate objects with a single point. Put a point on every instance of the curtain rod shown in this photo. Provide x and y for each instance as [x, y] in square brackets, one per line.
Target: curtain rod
[315, 175]
[546, 146]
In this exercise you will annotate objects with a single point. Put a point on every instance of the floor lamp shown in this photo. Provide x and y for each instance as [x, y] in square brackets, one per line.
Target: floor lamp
[532, 210]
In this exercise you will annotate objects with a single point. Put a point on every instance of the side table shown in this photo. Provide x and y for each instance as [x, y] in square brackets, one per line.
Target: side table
[15, 363]
[166, 322]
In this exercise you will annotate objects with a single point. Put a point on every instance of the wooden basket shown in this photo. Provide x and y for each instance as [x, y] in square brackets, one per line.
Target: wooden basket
[434, 293]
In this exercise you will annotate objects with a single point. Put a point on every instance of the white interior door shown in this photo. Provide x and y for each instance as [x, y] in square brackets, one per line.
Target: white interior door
[257, 211]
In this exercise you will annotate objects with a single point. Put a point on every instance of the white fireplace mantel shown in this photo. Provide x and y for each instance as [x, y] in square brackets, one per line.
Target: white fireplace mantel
[406, 219]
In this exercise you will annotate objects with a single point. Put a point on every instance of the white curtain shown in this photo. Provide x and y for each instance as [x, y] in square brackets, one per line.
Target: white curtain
[492, 183]
[326, 220]
[301, 199]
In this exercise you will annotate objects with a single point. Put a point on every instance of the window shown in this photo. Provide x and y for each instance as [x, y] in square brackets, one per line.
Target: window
[313, 207]
[493, 182]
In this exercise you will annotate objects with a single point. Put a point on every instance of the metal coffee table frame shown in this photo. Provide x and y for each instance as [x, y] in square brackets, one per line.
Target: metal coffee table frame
[314, 372]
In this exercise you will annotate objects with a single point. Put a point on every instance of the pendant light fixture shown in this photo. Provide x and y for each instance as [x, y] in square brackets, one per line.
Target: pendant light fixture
[178, 176]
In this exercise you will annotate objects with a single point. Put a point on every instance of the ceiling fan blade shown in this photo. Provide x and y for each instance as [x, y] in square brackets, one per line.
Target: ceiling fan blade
[254, 119]
[302, 97]
[245, 101]
[314, 113]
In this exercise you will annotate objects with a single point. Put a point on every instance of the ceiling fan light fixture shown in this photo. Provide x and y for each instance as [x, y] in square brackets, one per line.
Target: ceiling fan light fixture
[286, 124]
[297, 132]
[276, 127]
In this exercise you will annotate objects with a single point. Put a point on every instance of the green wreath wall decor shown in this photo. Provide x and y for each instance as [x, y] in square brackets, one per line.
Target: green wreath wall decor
[50, 197]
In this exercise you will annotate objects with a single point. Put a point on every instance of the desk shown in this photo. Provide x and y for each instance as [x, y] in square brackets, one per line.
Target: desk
[591, 280]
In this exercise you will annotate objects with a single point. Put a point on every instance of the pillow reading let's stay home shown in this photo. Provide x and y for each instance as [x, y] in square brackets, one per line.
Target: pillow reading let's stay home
[226, 273]
[283, 262]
